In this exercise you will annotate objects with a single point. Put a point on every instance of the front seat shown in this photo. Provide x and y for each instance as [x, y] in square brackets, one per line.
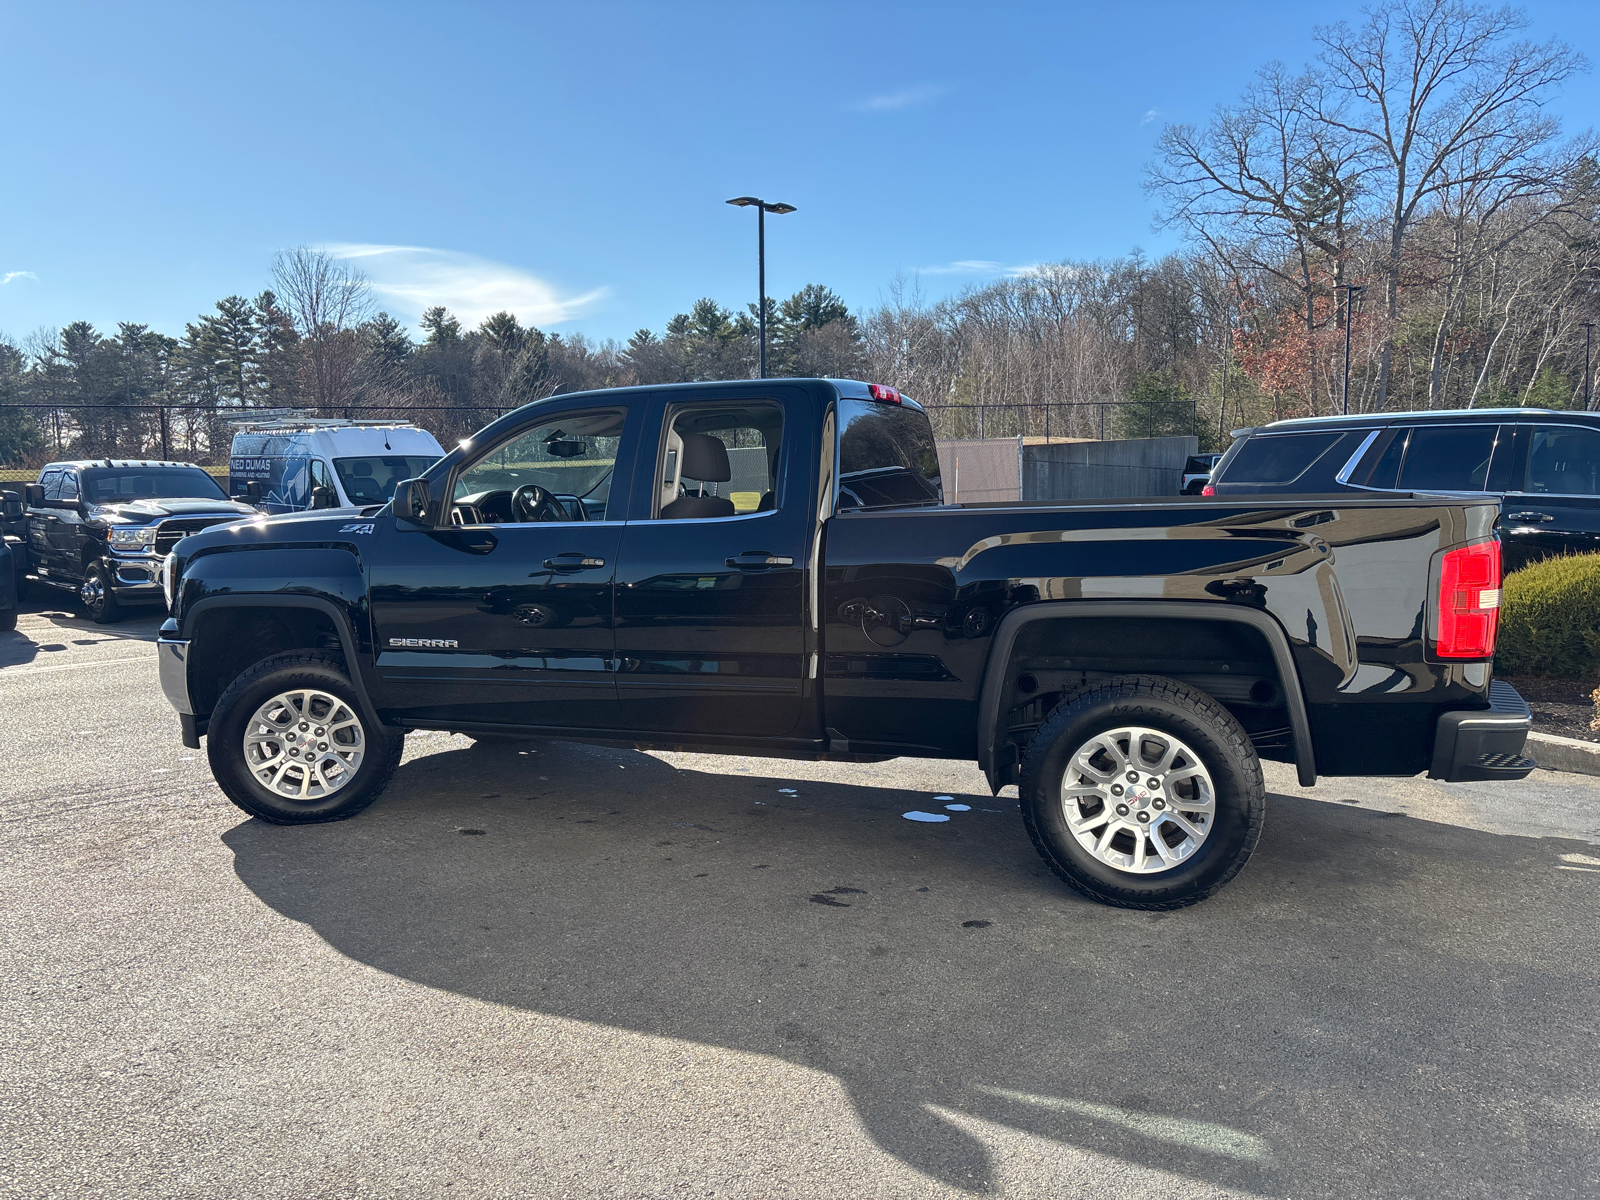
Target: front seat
[704, 458]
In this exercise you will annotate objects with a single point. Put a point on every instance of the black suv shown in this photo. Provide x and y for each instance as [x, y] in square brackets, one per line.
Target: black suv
[102, 527]
[1543, 465]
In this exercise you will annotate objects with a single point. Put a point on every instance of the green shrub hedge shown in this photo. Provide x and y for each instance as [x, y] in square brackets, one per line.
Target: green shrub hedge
[1550, 619]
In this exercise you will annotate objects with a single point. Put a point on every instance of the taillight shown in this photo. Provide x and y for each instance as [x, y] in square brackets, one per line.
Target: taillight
[887, 394]
[1208, 490]
[1469, 601]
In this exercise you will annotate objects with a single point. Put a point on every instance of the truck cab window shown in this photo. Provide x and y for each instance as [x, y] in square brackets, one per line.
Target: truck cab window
[886, 456]
[719, 460]
[51, 482]
[557, 471]
[69, 487]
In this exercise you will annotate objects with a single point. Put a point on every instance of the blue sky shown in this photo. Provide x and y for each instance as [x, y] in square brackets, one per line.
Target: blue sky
[570, 162]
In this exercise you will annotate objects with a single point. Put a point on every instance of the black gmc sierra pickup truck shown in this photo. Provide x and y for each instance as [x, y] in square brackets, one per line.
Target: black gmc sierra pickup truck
[769, 567]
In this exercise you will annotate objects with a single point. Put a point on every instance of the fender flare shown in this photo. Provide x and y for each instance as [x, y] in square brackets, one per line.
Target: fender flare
[1005, 636]
[328, 608]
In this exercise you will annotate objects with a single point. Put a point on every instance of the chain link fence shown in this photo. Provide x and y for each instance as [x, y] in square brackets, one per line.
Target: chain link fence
[204, 434]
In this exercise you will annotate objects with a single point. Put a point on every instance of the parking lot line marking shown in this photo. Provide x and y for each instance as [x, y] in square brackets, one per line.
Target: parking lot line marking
[104, 662]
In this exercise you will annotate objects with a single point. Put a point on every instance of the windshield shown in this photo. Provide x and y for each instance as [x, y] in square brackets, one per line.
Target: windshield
[371, 480]
[886, 456]
[115, 485]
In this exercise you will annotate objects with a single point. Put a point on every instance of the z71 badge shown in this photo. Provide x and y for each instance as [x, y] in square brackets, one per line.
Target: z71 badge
[425, 643]
[357, 528]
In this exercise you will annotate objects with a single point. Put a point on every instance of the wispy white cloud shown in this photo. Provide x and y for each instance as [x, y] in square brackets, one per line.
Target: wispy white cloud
[413, 279]
[10, 275]
[979, 266]
[898, 101]
[1150, 116]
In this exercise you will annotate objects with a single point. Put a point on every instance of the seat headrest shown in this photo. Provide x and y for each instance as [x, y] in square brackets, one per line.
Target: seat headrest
[362, 469]
[705, 458]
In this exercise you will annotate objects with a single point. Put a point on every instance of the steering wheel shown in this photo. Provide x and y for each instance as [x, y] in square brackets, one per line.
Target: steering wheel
[530, 502]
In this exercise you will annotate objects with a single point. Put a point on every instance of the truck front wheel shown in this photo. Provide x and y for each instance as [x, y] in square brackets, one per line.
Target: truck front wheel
[288, 744]
[1143, 792]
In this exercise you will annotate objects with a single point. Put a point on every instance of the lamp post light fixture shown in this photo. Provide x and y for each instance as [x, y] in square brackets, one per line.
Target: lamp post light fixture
[1351, 291]
[1588, 371]
[762, 209]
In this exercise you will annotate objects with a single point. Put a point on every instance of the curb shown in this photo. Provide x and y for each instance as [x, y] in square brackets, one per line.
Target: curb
[1554, 753]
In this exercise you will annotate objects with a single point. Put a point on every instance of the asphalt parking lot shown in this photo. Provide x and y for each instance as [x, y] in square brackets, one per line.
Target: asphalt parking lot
[555, 970]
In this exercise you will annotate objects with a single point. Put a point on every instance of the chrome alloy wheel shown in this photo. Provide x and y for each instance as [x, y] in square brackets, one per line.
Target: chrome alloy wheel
[304, 744]
[1138, 800]
[92, 592]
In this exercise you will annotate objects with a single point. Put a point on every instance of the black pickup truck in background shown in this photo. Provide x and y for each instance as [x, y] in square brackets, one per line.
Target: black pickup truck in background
[768, 567]
[100, 527]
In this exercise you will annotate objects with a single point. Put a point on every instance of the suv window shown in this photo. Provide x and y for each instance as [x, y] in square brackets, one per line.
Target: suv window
[1279, 458]
[886, 456]
[1564, 460]
[1447, 458]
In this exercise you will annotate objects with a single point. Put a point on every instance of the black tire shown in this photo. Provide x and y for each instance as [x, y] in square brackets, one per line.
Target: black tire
[320, 670]
[96, 597]
[8, 619]
[1166, 706]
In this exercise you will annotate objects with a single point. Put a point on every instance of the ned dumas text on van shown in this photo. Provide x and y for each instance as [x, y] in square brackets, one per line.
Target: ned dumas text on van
[425, 643]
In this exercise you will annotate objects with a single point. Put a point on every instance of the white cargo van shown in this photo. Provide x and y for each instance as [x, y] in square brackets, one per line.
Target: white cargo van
[296, 463]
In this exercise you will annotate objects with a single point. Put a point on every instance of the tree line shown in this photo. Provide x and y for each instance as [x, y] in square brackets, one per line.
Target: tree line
[1408, 194]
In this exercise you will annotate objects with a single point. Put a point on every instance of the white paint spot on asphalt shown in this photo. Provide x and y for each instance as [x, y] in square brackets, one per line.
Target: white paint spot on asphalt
[787, 792]
[942, 798]
[915, 815]
[1178, 1131]
[959, 807]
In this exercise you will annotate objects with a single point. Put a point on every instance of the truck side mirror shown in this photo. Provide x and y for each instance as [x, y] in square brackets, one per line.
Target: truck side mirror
[33, 493]
[411, 501]
[10, 504]
[323, 497]
[252, 491]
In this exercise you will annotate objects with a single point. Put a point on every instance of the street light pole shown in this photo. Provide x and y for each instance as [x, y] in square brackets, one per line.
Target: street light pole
[762, 209]
[1350, 290]
[1588, 372]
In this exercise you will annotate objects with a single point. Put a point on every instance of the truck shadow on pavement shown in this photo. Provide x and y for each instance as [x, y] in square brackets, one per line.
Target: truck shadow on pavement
[62, 627]
[1378, 1006]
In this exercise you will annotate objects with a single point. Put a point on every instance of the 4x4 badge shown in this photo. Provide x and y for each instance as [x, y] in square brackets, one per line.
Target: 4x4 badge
[356, 528]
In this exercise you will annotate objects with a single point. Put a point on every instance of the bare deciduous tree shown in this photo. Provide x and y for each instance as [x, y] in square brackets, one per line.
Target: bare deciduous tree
[1438, 97]
[328, 300]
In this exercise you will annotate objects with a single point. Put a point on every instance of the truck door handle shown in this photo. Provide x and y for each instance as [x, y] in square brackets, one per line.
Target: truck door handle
[572, 562]
[1530, 517]
[756, 559]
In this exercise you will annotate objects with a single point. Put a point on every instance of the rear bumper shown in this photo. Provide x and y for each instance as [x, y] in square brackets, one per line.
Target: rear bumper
[1484, 743]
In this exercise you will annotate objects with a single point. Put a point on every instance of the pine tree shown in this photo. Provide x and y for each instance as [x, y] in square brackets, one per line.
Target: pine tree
[279, 354]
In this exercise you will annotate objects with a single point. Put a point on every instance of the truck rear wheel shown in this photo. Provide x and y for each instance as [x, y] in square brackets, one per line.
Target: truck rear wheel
[288, 744]
[1143, 792]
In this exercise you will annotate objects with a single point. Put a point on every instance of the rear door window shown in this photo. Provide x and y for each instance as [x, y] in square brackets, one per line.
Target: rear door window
[1279, 458]
[1564, 460]
[1448, 458]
